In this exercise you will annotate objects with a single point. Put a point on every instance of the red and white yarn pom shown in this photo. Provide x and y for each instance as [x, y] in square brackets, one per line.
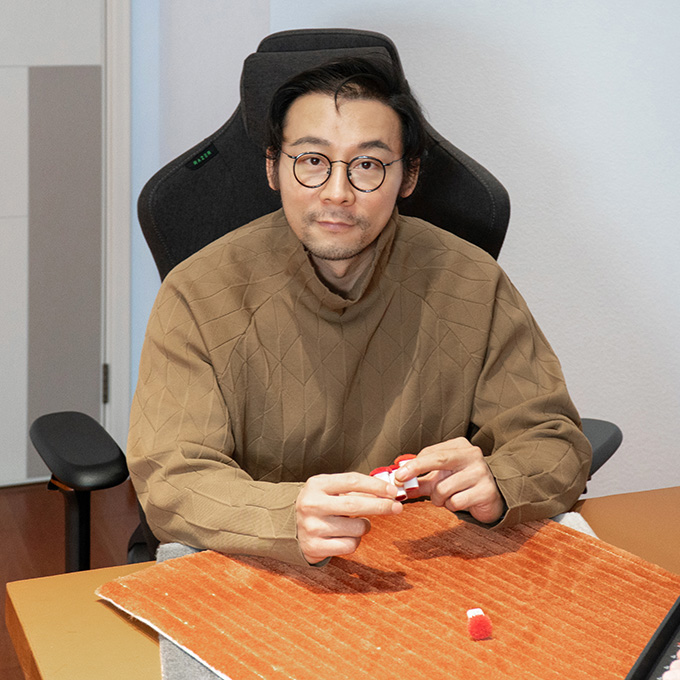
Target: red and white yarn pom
[387, 475]
[479, 624]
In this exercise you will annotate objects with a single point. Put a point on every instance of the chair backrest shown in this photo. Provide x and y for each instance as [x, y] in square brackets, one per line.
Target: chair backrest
[221, 184]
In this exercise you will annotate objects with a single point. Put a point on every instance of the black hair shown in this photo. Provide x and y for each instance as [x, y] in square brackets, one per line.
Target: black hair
[353, 78]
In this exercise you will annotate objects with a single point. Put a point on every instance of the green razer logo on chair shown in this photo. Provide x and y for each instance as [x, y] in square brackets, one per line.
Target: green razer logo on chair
[202, 157]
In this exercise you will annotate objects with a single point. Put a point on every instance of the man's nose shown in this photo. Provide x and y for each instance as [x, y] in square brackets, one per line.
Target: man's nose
[338, 188]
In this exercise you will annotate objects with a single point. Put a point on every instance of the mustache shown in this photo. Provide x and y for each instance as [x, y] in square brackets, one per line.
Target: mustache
[336, 216]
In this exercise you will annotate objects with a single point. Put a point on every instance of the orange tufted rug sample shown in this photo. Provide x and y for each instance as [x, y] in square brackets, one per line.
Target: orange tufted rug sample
[563, 605]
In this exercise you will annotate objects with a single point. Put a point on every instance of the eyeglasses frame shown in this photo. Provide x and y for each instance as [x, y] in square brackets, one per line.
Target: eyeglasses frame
[347, 163]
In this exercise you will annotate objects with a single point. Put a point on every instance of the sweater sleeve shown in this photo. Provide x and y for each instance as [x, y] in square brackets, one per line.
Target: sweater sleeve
[528, 426]
[180, 449]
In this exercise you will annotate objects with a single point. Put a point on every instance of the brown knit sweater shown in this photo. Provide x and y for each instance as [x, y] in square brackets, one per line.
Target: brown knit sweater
[255, 376]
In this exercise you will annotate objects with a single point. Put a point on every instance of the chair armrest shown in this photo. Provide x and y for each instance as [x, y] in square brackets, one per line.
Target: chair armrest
[78, 451]
[604, 437]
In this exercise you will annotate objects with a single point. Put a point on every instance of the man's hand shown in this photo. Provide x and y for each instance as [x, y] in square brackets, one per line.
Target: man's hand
[332, 510]
[456, 476]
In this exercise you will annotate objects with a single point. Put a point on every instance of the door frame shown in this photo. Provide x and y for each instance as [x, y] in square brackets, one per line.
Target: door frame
[117, 217]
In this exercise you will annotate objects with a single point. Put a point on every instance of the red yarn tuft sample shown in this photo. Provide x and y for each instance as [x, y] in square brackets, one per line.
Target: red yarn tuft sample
[479, 627]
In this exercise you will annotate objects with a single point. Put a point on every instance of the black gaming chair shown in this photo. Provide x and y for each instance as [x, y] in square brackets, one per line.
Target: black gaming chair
[220, 184]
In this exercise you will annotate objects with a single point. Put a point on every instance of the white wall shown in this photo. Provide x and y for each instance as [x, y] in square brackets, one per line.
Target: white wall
[186, 68]
[574, 107]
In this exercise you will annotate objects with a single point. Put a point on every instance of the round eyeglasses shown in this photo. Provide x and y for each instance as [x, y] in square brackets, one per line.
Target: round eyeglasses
[365, 173]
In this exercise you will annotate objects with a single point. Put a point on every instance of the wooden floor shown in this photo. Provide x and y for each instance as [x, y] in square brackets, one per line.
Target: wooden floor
[32, 540]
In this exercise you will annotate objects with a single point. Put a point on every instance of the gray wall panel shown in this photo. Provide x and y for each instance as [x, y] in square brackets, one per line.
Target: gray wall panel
[65, 243]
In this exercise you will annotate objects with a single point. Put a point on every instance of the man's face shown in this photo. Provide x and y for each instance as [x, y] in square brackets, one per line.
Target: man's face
[335, 221]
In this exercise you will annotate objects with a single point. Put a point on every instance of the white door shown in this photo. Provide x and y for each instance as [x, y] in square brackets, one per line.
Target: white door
[52, 215]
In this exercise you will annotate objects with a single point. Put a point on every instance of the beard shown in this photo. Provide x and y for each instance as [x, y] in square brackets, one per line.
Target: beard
[325, 248]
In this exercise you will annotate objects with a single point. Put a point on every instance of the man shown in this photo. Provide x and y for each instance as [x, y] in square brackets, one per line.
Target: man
[292, 356]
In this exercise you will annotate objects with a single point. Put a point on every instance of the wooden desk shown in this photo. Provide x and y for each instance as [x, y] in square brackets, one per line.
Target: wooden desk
[645, 523]
[60, 630]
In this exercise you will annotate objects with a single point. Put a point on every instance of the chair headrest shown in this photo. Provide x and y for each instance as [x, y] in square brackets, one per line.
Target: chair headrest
[264, 72]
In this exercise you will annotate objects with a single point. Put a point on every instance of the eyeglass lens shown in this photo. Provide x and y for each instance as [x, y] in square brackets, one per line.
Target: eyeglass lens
[364, 172]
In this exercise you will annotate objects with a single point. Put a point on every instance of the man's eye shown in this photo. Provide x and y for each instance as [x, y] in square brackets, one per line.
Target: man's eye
[368, 165]
[312, 161]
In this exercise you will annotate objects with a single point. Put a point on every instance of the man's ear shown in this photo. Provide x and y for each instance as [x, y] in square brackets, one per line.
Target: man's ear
[409, 181]
[273, 169]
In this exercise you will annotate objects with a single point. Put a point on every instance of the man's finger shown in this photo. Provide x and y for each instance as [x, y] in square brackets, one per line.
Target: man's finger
[451, 456]
[449, 485]
[319, 549]
[315, 503]
[348, 505]
[358, 506]
[337, 527]
[352, 483]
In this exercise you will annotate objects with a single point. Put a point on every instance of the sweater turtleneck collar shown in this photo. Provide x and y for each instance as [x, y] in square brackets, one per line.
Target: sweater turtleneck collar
[303, 271]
